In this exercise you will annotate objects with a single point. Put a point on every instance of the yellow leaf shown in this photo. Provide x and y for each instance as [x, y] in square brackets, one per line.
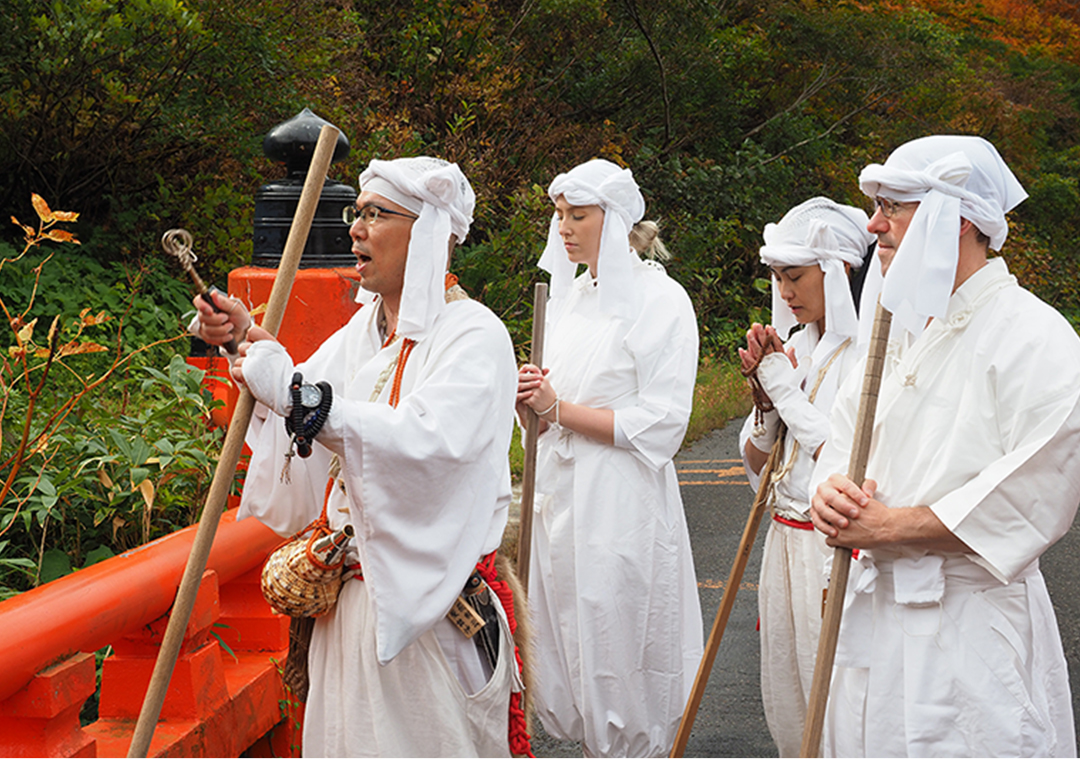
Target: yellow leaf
[28, 231]
[74, 347]
[66, 216]
[62, 236]
[16, 352]
[42, 353]
[42, 208]
[104, 478]
[117, 523]
[146, 488]
[90, 319]
[27, 332]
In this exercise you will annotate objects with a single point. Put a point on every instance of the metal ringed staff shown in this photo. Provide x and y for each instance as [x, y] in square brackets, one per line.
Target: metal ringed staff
[834, 600]
[230, 452]
[532, 431]
[727, 601]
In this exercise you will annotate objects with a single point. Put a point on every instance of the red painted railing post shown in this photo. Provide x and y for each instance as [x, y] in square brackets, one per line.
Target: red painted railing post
[248, 624]
[198, 684]
[42, 718]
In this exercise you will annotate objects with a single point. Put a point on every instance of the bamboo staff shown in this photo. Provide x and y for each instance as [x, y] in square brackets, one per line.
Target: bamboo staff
[834, 600]
[230, 452]
[532, 430]
[727, 601]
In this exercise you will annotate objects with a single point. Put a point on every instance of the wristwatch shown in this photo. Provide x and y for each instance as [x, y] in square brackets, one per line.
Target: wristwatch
[310, 408]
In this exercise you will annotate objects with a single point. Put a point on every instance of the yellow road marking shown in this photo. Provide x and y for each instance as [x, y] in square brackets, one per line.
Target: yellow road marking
[732, 475]
[710, 583]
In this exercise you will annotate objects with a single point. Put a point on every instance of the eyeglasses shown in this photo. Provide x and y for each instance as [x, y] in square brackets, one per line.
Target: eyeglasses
[890, 208]
[369, 214]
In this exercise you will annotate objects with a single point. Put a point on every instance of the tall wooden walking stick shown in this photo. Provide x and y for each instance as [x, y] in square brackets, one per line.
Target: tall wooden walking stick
[727, 601]
[834, 600]
[230, 453]
[532, 430]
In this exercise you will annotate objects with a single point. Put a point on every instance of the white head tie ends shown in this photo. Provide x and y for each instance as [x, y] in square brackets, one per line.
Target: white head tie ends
[601, 183]
[438, 193]
[823, 232]
[953, 177]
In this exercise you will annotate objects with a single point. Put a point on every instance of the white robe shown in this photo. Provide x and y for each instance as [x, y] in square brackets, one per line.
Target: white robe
[950, 654]
[793, 562]
[428, 492]
[612, 584]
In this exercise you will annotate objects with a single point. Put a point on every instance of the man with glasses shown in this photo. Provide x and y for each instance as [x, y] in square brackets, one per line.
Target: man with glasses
[949, 646]
[406, 440]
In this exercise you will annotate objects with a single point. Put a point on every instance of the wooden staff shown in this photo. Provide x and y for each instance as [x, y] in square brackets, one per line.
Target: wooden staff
[727, 601]
[532, 430]
[230, 452]
[834, 599]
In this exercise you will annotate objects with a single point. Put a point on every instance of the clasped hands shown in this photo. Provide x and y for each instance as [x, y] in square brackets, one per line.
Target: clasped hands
[850, 516]
[762, 340]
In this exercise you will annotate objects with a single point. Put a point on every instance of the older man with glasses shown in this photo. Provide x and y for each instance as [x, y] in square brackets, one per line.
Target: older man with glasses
[411, 451]
[949, 646]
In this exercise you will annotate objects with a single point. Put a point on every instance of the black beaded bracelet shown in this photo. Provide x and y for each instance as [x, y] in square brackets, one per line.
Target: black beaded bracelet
[305, 421]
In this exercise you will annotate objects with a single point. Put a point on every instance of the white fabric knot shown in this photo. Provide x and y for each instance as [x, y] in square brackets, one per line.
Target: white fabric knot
[599, 183]
[960, 318]
[952, 177]
[823, 232]
[443, 200]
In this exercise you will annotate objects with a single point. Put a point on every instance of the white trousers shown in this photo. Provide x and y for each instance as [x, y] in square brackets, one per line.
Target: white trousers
[982, 674]
[789, 606]
[414, 706]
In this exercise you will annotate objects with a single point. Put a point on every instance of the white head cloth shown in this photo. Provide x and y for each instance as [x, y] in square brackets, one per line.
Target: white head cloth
[602, 183]
[438, 193]
[823, 232]
[952, 176]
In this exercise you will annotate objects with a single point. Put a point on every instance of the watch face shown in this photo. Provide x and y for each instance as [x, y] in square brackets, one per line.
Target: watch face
[310, 396]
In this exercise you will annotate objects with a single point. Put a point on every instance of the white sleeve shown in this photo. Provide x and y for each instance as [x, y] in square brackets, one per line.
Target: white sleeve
[664, 344]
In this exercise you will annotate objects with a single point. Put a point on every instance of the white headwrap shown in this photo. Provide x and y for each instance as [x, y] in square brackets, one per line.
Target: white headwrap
[438, 193]
[823, 232]
[602, 183]
[952, 176]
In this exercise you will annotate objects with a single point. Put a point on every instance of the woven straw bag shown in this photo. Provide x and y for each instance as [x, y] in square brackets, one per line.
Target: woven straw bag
[302, 577]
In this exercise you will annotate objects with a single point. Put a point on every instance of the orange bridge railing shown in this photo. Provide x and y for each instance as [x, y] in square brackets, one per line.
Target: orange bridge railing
[226, 696]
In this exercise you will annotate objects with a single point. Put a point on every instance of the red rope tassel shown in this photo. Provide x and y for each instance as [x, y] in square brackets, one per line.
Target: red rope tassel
[518, 734]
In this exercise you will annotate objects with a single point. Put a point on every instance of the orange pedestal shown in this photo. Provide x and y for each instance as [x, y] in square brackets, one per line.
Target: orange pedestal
[42, 719]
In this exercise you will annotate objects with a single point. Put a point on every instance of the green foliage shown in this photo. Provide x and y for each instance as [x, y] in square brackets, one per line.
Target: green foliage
[100, 451]
[501, 271]
[144, 301]
[131, 465]
[103, 104]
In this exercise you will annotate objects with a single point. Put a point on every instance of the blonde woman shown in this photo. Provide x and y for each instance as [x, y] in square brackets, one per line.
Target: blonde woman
[612, 581]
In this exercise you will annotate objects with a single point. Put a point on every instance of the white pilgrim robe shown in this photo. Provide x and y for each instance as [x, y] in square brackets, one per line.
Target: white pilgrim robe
[958, 654]
[793, 561]
[427, 490]
[611, 581]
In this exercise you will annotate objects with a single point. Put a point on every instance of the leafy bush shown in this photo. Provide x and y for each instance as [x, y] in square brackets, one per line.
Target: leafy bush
[101, 452]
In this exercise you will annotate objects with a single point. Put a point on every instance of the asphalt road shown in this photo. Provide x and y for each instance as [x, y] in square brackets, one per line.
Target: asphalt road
[717, 499]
